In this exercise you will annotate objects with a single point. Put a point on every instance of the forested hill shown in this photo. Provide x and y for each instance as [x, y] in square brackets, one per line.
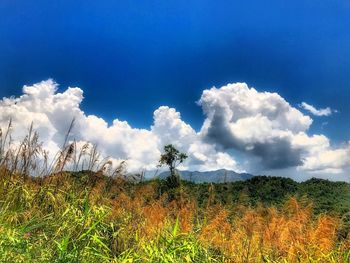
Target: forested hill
[327, 196]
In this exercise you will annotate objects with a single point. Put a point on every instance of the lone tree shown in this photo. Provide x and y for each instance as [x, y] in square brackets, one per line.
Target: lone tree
[172, 157]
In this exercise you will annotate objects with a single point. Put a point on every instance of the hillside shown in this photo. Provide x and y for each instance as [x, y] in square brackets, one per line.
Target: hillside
[218, 176]
[327, 196]
[89, 217]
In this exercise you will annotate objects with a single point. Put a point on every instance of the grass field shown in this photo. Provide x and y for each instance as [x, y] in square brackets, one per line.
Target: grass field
[50, 215]
[85, 217]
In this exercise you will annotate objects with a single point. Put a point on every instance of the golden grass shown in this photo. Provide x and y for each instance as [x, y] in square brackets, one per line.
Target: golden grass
[63, 216]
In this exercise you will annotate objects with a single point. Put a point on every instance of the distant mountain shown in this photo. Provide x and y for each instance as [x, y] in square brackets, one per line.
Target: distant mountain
[218, 176]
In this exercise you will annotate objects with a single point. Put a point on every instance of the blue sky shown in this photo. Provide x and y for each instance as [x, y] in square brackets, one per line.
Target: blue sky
[130, 57]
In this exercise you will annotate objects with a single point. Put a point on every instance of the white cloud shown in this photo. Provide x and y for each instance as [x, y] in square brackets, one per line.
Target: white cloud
[52, 112]
[263, 127]
[329, 161]
[317, 112]
[169, 128]
[259, 123]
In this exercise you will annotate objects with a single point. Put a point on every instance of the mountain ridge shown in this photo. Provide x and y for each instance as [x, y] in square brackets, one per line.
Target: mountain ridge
[215, 176]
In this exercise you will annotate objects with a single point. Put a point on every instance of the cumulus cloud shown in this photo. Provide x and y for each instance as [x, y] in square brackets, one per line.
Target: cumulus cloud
[51, 112]
[261, 124]
[169, 128]
[328, 161]
[266, 127]
[317, 112]
[266, 131]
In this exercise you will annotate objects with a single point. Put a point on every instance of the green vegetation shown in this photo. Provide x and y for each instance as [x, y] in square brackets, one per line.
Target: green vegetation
[172, 157]
[326, 196]
[99, 214]
[86, 217]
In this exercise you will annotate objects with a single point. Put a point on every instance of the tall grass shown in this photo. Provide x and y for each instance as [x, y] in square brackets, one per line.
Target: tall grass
[78, 208]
